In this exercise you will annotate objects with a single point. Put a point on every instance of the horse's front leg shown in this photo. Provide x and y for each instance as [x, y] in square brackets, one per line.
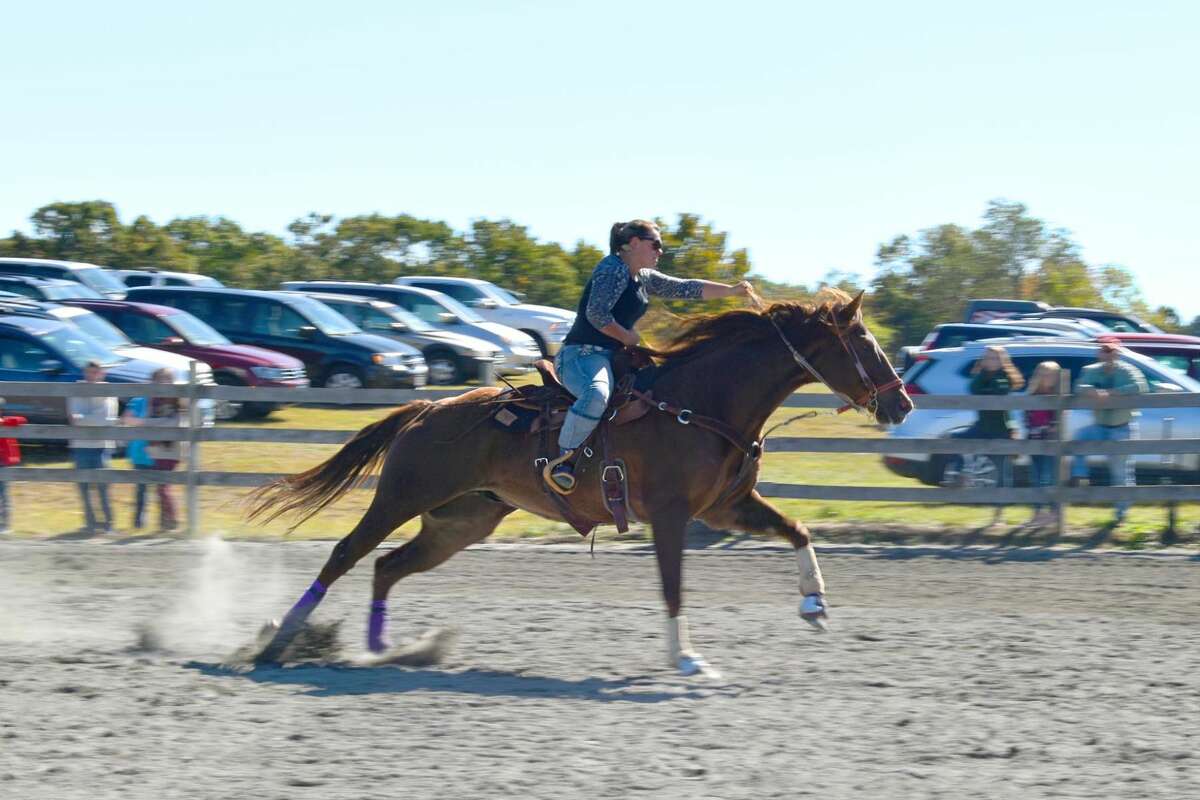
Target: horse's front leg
[669, 525]
[753, 514]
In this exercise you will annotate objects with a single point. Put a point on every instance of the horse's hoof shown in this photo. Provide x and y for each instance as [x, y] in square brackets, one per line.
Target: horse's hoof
[814, 611]
[694, 664]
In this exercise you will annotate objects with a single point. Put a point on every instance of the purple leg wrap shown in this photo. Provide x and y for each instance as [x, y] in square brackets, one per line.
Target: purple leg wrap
[304, 606]
[375, 625]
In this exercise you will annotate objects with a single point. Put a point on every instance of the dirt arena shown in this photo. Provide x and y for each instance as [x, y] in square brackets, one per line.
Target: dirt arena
[949, 673]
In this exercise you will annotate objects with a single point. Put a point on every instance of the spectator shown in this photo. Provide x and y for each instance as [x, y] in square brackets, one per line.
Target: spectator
[93, 453]
[1042, 424]
[10, 456]
[1109, 376]
[163, 456]
[993, 374]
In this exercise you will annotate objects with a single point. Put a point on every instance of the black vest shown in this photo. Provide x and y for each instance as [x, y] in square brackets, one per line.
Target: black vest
[629, 308]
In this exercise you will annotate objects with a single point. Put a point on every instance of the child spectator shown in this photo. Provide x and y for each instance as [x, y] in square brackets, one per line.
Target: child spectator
[10, 456]
[163, 456]
[93, 453]
[1042, 424]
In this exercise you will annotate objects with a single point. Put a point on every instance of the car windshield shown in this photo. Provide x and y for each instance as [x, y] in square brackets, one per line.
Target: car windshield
[194, 331]
[458, 309]
[328, 321]
[398, 314]
[68, 290]
[79, 347]
[100, 279]
[96, 327]
[501, 296]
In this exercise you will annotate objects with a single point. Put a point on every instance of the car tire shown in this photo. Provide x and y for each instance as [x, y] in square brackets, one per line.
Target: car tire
[344, 376]
[540, 343]
[444, 367]
[229, 410]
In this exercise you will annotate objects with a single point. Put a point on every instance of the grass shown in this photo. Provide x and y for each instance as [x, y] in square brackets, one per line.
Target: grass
[47, 510]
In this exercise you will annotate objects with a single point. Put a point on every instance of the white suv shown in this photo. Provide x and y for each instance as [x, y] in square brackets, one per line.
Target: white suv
[547, 325]
[948, 372]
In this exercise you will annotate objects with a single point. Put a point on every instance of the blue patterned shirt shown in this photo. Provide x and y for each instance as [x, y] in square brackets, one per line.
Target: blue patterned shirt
[610, 278]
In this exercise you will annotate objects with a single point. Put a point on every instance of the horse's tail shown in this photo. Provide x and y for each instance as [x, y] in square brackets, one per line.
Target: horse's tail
[306, 493]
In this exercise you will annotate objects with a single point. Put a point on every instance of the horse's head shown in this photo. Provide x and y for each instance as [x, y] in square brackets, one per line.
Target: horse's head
[848, 360]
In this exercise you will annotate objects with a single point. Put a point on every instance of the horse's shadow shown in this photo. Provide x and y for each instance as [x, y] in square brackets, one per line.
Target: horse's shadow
[349, 679]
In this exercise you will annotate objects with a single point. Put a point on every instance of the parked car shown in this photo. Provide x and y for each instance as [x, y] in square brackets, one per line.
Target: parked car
[988, 309]
[96, 278]
[41, 348]
[1176, 351]
[176, 331]
[991, 309]
[947, 372]
[956, 334]
[336, 352]
[451, 357]
[518, 350]
[1123, 323]
[45, 288]
[547, 325]
[1076, 328]
[162, 277]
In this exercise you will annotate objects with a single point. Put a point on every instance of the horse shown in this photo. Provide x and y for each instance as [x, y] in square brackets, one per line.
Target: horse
[442, 462]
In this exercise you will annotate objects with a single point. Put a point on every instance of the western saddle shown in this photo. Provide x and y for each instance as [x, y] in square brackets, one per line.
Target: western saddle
[542, 409]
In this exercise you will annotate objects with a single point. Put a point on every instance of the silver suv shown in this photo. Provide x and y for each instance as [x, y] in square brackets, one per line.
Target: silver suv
[947, 372]
[546, 324]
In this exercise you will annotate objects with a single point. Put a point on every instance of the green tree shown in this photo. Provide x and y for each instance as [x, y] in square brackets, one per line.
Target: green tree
[85, 231]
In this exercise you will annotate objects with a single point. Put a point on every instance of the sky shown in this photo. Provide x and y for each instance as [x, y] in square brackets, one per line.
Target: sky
[810, 132]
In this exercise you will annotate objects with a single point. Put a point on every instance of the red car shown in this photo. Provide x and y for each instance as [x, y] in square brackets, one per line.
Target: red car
[166, 328]
[1175, 350]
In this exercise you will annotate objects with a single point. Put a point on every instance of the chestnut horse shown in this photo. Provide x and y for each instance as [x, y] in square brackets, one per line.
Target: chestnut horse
[462, 476]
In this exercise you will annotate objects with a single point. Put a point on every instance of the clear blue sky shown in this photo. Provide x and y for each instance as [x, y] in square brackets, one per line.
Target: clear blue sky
[811, 132]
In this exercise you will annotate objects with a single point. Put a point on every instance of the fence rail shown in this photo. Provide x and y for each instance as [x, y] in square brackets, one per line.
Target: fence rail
[193, 477]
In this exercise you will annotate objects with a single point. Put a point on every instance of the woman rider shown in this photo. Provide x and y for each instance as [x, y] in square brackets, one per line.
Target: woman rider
[614, 299]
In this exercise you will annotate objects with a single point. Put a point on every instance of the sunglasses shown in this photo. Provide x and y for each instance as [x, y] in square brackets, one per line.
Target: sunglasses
[655, 243]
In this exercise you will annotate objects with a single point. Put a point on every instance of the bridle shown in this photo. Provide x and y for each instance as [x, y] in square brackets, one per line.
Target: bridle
[868, 399]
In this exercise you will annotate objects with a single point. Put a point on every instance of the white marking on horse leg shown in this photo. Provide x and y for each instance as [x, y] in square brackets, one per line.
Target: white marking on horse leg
[683, 656]
[811, 581]
[813, 608]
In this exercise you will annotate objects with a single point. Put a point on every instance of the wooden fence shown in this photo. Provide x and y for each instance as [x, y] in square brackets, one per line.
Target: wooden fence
[191, 476]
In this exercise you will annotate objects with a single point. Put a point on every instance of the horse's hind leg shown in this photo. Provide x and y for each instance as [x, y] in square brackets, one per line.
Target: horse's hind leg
[444, 531]
[382, 517]
[753, 514]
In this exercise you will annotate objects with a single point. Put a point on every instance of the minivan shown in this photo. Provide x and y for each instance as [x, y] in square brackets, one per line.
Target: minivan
[336, 352]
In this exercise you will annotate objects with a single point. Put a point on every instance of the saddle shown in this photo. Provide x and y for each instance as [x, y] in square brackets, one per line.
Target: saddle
[541, 409]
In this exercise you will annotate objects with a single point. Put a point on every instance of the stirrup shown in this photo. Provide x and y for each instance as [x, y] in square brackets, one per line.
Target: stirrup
[549, 477]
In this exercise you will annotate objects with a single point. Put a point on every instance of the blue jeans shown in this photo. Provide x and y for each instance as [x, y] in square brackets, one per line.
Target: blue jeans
[94, 458]
[1120, 468]
[586, 371]
[1043, 473]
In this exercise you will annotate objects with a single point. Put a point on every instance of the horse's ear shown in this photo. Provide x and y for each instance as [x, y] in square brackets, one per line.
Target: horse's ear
[851, 310]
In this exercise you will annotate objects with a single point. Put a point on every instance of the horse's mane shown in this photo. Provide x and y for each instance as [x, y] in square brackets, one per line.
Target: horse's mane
[746, 325]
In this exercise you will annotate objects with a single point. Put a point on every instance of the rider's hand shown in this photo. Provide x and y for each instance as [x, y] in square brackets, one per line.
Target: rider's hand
[743, 288]
[631, 339]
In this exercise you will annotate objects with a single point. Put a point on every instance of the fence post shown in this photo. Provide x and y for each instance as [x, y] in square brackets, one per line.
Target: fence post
[195, 421]
[1061, 466]
[1169, 535]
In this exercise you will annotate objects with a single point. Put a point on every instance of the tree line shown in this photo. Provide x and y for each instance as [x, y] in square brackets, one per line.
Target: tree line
[921, 280]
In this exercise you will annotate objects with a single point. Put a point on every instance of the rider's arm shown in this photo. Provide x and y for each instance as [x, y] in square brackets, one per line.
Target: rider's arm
[662, 285]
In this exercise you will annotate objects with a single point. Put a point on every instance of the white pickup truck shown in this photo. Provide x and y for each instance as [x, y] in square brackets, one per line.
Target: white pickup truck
[547, 325]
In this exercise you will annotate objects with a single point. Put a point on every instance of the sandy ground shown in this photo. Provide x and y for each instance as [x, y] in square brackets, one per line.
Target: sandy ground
[950, 673]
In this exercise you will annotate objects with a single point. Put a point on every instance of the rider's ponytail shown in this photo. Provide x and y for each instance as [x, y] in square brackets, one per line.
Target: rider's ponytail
[622, 232]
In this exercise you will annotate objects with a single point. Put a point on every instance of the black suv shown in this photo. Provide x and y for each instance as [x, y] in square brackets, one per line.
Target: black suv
[336, 352]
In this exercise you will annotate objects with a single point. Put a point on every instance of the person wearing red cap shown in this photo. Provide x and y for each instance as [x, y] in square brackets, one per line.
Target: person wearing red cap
[1109, 376]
